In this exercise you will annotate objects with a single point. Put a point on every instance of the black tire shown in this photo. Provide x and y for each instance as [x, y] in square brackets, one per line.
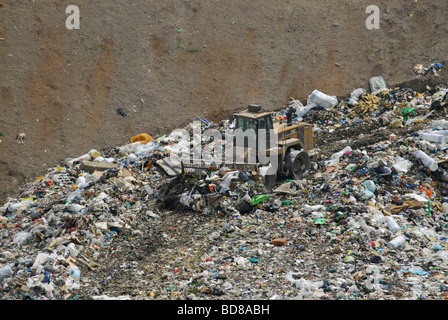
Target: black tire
[300, 165]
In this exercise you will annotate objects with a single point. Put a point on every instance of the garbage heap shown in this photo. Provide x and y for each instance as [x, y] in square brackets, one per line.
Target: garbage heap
[368, 221]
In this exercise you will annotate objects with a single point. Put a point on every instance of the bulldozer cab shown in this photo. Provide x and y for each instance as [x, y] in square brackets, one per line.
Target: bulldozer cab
[256, 122]
[288, 134]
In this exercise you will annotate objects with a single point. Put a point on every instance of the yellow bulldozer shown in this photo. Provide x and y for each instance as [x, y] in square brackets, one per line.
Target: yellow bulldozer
[293, 144]
[289, 145]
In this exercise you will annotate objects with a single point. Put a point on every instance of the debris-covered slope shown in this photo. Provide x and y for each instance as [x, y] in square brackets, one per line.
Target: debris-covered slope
[367, 222]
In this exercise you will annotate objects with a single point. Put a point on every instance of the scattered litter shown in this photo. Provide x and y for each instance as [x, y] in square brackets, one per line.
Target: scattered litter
[367, 220]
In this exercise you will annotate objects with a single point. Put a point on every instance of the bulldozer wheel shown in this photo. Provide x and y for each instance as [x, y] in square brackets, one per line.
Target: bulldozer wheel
[300, 165]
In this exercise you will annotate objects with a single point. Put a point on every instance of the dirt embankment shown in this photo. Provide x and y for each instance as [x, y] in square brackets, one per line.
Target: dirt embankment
[164, 62]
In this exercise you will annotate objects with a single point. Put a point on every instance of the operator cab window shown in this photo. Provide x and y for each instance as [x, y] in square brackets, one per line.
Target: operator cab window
[265, 123]
[246, 123]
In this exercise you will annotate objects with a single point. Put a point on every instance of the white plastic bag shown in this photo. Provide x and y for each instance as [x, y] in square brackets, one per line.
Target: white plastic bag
[401, 164]
[370, 185]
[225, 184]
[334, 159]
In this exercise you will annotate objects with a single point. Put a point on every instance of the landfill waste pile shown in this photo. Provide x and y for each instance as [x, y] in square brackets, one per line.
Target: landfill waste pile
[368, 221]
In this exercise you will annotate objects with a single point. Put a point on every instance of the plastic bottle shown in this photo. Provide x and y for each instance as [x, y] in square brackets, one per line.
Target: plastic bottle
[392, 224]
[145, 148]
[396, 242]
[322, 100]
[440, 132]
[300, 112]
[429, 234]
[426, 160]
[437, 138]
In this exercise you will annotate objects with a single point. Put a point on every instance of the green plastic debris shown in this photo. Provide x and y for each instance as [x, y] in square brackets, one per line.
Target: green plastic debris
[348, 259]
[319, 221]
[405, 112]
[170, 288]
[258, 199]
